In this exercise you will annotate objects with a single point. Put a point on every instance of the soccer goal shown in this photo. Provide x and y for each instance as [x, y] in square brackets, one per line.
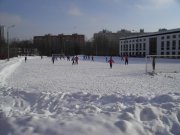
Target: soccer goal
[162, 64]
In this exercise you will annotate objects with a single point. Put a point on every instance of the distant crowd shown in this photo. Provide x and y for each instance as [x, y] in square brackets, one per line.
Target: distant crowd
[75, 59]
[109, 60]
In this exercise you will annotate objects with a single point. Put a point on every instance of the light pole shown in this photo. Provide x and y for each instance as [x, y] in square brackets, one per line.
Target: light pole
[8, 38]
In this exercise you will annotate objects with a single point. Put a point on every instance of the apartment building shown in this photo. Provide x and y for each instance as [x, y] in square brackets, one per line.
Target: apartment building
[163, 42]
[58, 43]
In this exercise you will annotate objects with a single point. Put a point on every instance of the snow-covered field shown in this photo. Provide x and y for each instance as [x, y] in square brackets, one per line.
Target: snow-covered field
[41, 98]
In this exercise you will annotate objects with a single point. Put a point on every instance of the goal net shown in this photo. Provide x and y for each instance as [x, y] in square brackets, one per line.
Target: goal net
[163, 64]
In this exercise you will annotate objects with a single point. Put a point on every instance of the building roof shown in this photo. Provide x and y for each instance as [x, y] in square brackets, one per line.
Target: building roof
[164, 32]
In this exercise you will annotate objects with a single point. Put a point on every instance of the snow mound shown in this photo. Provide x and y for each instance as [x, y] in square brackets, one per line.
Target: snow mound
[46, 113]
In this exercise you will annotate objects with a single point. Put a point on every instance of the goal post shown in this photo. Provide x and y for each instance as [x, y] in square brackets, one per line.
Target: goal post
[162, 64]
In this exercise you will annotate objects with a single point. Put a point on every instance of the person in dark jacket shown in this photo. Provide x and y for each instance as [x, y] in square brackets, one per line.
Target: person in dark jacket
[53, 58]
[73, 59]
[25, 59]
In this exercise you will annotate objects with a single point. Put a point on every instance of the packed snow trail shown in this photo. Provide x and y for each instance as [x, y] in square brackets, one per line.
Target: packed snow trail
[7, 68]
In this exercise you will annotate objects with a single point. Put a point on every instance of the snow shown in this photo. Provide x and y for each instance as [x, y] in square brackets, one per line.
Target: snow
[41, 98]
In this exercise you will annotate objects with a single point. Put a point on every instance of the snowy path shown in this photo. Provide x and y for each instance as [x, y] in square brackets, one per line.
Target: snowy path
[7, 68]
[39, 98]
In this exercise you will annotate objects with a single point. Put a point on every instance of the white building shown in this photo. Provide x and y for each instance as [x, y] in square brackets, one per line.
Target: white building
[166, 42]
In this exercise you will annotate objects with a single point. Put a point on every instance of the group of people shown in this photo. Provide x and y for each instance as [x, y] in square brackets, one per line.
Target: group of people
[123, 58]
[74, 60]
[88, 57]
[110, 61]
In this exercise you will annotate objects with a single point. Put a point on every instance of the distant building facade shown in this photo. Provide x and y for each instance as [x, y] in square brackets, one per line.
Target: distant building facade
[107, 42]
[163, 42]
[59, 43]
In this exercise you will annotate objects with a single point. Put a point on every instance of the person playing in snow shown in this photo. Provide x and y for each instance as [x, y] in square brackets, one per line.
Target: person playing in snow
[53, 59]
[25, 59]
[68, 58]
[73, 60]
[92, 58]
[126, 59]
[76, 59]
[110, 62]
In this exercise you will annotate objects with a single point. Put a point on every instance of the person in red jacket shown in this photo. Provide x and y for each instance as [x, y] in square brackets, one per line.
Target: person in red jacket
[110, 62]
[126, 59]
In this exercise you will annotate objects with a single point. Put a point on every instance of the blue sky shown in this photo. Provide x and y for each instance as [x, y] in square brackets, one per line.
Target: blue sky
[39, 17]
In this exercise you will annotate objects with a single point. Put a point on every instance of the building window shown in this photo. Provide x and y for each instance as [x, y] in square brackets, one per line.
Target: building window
[136, 47]
[173, 53]
[133, 47]
[167, 45]
[162, 37]
[167, 53]
[140, 46]
[162, 45]
[130, 47]
[144, 54]
[173, 44]
[168, 37]
[162, 53]
[178, 53]
[174, 36]
[144, 39]
[179, 45]
[144, 46]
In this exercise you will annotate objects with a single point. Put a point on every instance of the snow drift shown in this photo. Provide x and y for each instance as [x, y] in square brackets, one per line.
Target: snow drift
[84, 113]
